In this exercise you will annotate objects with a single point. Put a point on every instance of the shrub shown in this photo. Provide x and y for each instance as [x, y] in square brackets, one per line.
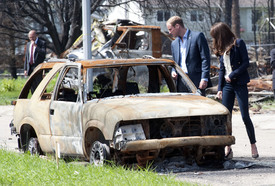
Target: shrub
[7, 85]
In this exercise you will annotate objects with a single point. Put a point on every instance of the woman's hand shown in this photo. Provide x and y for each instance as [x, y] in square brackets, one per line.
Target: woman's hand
[219, 95]
[227, 79]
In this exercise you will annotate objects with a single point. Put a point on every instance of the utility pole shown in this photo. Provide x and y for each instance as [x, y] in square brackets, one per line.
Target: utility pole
[86, 30]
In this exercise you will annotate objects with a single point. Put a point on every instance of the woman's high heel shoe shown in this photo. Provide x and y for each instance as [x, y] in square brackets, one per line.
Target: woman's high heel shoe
[229, 155]
[255, 156]
[254, 151]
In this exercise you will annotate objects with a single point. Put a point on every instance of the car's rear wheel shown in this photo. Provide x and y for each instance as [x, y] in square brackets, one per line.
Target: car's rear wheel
[34, 147]
[100, 152]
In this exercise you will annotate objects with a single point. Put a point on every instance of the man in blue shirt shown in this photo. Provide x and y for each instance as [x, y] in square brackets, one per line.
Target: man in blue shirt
[190, 50]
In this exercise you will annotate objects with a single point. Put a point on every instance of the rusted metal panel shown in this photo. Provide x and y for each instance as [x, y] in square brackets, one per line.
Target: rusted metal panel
[120, 37]
[156, 43]
[178, 142]
[122, 62]
[138, 27]
[131, 40]
[49, 65]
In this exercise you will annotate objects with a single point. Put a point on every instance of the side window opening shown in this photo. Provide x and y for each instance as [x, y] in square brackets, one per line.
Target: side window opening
[137, 80]
[131, 80]
[130, 40]
[47, 94]
[185, 84]
[168, 84]
[68, 89]
[135, 40]
[142, 40]
[26, 91]
[102, 83]
[154, 81]
[108, 82]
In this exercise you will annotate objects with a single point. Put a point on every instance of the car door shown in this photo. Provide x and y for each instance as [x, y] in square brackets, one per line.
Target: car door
[66, 112]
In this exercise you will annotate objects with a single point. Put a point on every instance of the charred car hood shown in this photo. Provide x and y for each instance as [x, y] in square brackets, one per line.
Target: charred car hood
[149, 106]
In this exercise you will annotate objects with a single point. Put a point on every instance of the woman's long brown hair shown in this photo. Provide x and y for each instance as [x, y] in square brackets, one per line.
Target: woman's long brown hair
[223, 38]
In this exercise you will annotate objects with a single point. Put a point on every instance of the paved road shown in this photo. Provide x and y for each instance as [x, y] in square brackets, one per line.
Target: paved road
[254, 172]
[7, 140]
[259, 172]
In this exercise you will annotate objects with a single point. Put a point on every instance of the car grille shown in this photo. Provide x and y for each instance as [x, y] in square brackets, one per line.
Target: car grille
[180, 127]
[187, 126]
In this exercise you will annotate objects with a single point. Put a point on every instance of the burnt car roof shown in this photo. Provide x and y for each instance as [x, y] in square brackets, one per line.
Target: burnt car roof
[110, 62]
[116, 62]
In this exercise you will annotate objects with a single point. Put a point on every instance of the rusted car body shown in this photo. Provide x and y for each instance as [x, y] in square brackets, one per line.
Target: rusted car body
[133, 113]
[124, 39]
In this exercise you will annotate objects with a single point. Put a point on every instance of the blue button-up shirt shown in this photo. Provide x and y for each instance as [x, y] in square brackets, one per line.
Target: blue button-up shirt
[183, 43]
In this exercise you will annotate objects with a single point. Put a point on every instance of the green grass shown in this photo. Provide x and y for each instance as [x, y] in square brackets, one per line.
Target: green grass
[23, 169]
[10, 89]
[269, 105]
[265, 105]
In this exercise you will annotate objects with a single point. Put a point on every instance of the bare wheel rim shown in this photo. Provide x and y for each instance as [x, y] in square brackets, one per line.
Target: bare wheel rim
[98, 153]
[33, 146]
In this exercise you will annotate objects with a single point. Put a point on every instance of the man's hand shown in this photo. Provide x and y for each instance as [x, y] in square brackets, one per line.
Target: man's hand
[25, 73]
[33, 43]
[203, 84]
[174, 75]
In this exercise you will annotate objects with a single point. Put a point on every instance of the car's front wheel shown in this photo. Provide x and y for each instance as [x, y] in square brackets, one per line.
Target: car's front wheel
[100, 152]
[34, 147]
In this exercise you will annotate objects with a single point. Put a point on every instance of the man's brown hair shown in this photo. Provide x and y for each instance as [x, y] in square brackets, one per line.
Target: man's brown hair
[175, 20]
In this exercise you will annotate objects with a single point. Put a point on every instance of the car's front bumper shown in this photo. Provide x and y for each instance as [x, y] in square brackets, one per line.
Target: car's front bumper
[152, 144]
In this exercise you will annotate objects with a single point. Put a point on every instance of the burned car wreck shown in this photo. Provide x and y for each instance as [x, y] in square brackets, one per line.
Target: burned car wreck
[126, 110]
[123, 39]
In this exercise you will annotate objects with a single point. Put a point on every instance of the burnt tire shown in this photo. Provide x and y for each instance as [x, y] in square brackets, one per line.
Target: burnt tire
[34, 147]
[210, 155]
[100, 153]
